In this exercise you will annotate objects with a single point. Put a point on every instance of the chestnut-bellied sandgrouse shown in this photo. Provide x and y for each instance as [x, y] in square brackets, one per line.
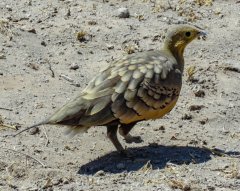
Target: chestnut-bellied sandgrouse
[137, 87]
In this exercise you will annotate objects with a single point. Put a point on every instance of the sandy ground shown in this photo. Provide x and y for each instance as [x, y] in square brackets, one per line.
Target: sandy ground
[195, 147]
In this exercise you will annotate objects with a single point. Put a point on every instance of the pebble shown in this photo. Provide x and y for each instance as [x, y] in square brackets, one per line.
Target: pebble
[33, 66]
[110, 46]
[2, 56]
[161, 128]
[8, 7]
[74, 66]
[32, 30]
[203, 121]
[123, 12]
[43, 43]
[199, 93]
[195, 107]
[34, 131]
[187, 116]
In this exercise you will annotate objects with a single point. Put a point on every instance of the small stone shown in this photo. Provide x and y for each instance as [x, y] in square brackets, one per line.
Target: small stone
[121, 166]
[110, 46]
[203, 121]
[218, 11]
[173, 137]
[2, 56]
[32, 31]
[186, 116]
[199, 93]
[74, 66]
[43, 43]
[186, 188]
[55, 10]
[123, 12]
[68, 14]
[92, 22]
[221, 16]
[8, 8]
[161, 128]
[33, 66]
[195, 107]
[156, 37]
[34, 131]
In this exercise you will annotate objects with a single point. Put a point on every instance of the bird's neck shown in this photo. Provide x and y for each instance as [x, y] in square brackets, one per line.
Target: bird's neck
[177, 50]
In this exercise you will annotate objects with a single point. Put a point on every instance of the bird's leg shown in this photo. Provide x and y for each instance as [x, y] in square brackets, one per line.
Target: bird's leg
[124, 130]
[112, 135]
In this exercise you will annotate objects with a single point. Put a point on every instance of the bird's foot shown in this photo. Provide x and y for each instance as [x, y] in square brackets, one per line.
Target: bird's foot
[132, 139]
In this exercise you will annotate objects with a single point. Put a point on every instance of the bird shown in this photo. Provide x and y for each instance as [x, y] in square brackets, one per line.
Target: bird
[137, 87]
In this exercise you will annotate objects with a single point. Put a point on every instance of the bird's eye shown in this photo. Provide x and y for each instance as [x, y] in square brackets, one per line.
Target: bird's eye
[188, 34]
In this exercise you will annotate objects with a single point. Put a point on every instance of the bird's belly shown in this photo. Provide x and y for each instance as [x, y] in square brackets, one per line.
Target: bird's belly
[149, 114]
[158, 113]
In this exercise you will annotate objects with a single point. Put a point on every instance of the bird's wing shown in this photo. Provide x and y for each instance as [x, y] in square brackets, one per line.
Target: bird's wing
[129, 90]
[148, 89]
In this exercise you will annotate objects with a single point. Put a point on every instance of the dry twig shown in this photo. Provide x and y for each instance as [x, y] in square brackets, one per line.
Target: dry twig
[50, 68]
[47, 142]
[3, 108]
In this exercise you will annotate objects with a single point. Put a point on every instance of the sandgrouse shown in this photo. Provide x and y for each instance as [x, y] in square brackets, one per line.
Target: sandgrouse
[138, 87]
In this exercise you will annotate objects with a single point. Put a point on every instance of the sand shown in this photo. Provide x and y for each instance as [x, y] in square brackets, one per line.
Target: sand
[50, 50]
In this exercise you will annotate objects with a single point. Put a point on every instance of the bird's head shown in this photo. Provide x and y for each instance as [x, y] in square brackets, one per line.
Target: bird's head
[179, 37]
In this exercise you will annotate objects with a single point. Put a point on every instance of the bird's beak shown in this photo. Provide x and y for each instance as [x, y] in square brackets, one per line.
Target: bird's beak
[202, 35]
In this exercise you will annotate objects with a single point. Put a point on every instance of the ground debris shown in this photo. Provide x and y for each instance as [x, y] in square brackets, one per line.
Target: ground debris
[83, 36]
[233, 68]
[33, 66]
[66, 78]
[199, 93]
[191, 70]
[5, 125]
[147, 167]
[195, 107]
[179, 184]
[6, 28]
[48, 184]
[2, 56]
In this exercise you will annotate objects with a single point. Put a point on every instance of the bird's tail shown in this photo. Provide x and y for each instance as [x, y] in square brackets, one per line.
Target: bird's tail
[72, 131]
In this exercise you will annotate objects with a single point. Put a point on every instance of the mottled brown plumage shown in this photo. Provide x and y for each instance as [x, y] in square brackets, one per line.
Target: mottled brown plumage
[137, 87]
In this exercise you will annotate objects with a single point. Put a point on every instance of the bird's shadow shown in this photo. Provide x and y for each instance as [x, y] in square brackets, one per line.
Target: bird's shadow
[158, 155]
